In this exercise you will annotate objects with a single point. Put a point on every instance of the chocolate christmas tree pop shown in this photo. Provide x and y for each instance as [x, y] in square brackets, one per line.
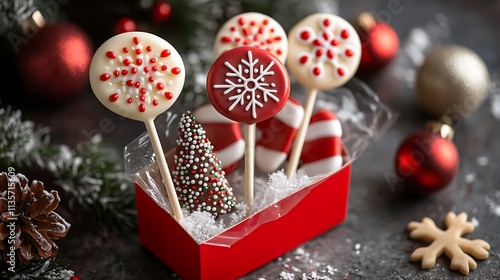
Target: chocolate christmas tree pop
[199, 180]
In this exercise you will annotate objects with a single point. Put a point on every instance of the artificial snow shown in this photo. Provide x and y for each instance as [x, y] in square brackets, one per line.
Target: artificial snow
[482, 161]
[494, 208]
[201, 225]
[475, 221]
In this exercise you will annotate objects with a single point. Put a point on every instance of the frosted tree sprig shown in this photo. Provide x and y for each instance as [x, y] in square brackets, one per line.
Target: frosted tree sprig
[89, 175]
[52, 268]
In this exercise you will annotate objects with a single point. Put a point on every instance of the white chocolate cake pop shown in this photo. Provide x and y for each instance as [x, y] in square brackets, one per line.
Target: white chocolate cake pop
[324, 51]
[137, 75]
[253, 30]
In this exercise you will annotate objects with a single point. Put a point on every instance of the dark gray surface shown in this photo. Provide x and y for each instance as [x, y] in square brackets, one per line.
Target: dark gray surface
[372, 243]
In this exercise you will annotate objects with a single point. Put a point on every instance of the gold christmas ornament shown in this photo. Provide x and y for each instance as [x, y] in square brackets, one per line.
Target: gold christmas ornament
[453, 81]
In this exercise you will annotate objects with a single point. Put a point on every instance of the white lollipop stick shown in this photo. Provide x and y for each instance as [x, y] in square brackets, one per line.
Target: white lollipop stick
[139, 75]
[300, 137]
[249, 165]
[164, 171]
[324, 53]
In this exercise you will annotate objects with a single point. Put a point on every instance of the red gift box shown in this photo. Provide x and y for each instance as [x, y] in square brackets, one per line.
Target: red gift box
[310, 211]
[272, 230]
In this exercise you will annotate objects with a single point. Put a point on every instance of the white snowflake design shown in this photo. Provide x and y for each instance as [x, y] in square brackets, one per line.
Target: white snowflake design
[250, 84]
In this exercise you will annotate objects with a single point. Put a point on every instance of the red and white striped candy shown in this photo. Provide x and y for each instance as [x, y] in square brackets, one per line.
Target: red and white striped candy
[224, 134]
[322, 151]
[277, 134]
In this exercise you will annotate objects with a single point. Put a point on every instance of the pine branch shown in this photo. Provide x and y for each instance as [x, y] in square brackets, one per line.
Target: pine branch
[93, 184]
[53, 269]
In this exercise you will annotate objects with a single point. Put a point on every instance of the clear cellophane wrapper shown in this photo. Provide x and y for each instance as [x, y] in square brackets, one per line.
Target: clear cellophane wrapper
[363, 116]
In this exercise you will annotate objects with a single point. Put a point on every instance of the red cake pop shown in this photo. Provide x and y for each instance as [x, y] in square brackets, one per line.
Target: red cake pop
[248, 85]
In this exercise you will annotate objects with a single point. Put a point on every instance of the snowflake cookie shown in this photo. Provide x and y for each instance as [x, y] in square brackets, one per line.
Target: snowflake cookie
[448, 242]
[324, 51]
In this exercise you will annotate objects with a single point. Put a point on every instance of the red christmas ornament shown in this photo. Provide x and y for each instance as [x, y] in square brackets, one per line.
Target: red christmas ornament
[161, 11]
[125, 24]
[379, 44]
[54, 63]
[428, 161]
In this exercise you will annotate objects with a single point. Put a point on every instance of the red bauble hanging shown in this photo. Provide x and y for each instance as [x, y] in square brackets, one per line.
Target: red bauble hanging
[161, 11]
[125, 24]
[54, 63]
[427, 161]
[379, 41]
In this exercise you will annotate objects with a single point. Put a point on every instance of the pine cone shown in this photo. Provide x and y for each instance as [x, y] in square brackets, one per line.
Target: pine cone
[28, 211]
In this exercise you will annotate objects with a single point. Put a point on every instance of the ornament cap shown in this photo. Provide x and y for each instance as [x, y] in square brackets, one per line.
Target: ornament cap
[366, 21]
[442, 127]
[33, 23]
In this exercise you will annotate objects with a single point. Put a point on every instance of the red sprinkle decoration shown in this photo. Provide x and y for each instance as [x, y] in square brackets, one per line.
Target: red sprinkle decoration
[136, 40]
[176, 70]
[304, 59]
[104, 77]
[317, 71]
[344, 34]
[168, 95]
[326, 22]
[113, 97]
[304, 35]
[142, 108]
[165, 53]
[110, 54]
